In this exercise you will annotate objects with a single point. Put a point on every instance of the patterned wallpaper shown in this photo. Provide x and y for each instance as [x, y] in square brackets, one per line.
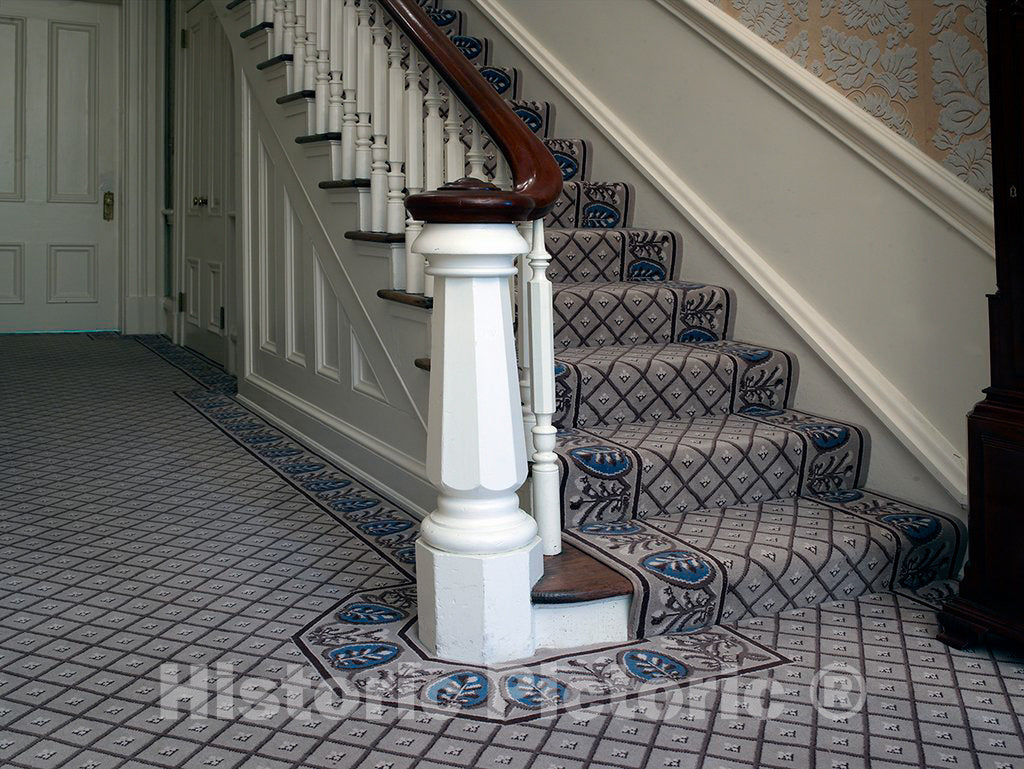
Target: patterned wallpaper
[919, 66]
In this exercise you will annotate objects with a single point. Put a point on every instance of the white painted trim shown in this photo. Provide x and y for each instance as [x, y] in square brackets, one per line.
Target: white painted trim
[887, 401]
[573, 625]
[391, 459]
[140, 191]
[956, 202]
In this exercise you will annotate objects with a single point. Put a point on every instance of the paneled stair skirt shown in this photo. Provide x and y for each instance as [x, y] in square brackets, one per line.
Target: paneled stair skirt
[693, 576]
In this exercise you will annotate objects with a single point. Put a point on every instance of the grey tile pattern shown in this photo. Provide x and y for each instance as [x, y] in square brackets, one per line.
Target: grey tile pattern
[136, 533]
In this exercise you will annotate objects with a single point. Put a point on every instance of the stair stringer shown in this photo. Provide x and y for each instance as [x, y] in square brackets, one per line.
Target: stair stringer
[310, 296]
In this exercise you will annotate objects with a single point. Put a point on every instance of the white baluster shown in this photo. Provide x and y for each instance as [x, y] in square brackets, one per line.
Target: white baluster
[335, 101]
[502, 176]
[349, 120]
[476, 156]
[379, 149]
[289, 43]
[544, 487]
[523, 331]
[433, 150]
[454, 149]
[415, 279]
[396, 136]
[299, 50]
[364, 93]
[478, 554]
[433, 135]
[305, 75]
[257, 12]
[308, 76]
[277, 42]
[323, 66]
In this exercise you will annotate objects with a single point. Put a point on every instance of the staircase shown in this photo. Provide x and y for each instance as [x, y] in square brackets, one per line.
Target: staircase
[690, 487]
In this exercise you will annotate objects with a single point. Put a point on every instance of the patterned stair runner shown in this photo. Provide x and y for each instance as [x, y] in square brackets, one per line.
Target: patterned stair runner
[683, 464]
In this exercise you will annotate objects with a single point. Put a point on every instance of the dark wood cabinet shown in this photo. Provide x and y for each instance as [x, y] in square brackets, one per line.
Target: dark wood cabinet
[991, 596]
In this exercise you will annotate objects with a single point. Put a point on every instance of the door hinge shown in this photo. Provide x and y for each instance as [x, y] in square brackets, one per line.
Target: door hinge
[181, 301]
[222, 318]
[184, 38]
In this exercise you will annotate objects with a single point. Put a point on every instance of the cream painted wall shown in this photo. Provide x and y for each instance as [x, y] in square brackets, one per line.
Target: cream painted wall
[851, 251]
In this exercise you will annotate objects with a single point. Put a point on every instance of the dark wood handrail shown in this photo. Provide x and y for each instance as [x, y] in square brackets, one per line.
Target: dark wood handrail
[536, 176]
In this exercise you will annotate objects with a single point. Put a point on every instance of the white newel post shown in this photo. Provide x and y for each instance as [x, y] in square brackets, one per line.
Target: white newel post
[545, 500]
[478, 555]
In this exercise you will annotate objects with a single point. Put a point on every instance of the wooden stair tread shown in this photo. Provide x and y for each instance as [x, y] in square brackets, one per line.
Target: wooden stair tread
[423, 363]
[374, 237]
[329, 136]
[297, 96]
[574, 577]
[414, 300]
[235, 4]
[274, 60]
[345, 184]
[257, 28]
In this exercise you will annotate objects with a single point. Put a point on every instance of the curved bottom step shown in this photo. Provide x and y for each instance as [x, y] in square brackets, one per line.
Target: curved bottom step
[719, 566]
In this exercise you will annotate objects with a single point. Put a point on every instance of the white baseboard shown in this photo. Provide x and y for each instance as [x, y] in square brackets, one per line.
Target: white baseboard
[394, 475]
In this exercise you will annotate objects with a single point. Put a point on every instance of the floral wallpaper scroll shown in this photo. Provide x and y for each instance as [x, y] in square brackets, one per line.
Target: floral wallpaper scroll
[919, 66]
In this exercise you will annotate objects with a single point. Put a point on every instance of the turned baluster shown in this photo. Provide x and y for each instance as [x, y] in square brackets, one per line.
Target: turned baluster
[277, 41]
[289, 43]
[297, 73]
[396, 137]
[454, 149]
[364, 98]
[335, 108]
[322, 87]
[349, 120]
[308, 76]
[502, 175]
[433, 135]
[379, 148]
[544, 488]
[475, 156]
[415, 278]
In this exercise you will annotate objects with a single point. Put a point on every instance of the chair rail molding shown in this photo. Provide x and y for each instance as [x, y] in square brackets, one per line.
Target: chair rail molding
[965, 209]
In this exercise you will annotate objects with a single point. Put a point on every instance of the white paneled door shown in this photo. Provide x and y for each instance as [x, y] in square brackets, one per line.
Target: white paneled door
[207, 153]
[59, 152]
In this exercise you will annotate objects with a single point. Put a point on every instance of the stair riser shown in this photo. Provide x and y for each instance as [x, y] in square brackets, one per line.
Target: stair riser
[613, 386]
[638, 471]
[595, 315]
[584, 255]
[592, 204]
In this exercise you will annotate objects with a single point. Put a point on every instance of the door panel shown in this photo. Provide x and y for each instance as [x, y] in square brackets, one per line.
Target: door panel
[59, 155]
[207, 106]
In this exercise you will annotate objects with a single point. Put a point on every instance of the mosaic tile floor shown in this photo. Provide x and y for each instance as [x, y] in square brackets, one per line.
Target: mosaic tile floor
[153, 573]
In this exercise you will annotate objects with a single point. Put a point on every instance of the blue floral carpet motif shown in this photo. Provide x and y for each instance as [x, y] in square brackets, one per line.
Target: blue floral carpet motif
[367, 647]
